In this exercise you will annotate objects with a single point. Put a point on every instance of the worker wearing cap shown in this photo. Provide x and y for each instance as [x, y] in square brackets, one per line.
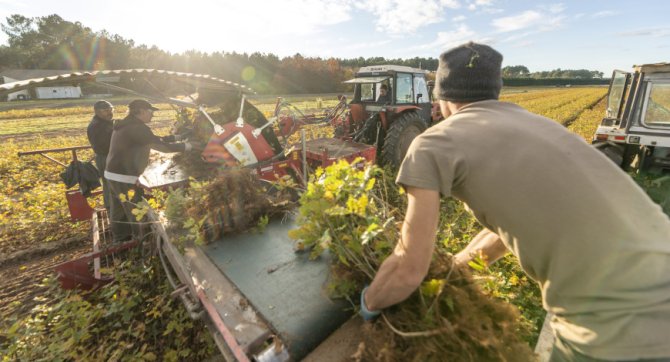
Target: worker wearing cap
[128, 156]
[583, 229]
[99, 134]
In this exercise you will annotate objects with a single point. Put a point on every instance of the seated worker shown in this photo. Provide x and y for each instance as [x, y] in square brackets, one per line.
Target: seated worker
[384, 97]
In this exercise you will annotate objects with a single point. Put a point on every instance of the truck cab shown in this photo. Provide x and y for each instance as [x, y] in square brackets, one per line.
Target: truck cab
[635, 132]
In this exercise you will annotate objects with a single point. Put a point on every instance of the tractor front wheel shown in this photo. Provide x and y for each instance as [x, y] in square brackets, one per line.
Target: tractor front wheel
[399, 136]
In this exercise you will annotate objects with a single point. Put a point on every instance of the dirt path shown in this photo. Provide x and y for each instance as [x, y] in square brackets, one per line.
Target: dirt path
[20, 281]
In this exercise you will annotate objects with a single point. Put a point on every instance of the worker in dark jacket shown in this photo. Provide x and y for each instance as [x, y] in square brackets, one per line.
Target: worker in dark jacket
[128, 156]
[99, 135]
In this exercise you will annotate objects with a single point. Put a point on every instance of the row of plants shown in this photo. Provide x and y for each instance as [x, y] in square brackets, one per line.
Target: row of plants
[562, 106]
[540, 96]
[587, 122]
[43, 112]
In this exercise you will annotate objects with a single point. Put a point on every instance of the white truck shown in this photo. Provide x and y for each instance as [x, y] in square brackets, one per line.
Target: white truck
[635, 132]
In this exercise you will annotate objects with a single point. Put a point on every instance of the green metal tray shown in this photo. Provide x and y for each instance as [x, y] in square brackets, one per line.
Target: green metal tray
[285, 287]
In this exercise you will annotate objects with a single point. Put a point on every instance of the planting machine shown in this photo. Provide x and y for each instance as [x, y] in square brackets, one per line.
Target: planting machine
[261, 300]
[635, 132]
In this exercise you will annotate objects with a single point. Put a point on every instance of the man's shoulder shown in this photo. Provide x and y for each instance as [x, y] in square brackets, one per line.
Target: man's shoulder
[93, 124]
[490, 105]
[129, 123]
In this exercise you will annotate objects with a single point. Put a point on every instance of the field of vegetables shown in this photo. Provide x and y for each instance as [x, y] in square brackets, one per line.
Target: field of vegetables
[33, 213]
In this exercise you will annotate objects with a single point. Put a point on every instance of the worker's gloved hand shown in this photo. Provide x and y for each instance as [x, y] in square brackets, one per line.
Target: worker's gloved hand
[194, 146]
[169, 139]
[368, 315]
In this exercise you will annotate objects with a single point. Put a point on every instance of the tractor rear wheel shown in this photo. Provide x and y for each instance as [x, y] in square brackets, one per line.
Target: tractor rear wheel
[622, 155]
[613, 151]
[399, 136]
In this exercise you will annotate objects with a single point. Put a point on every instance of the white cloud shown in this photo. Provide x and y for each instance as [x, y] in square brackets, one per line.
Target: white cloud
[532, 20]
[483, 2]
[552, 23]
[240, 25]
[524, 20]
[476, 4]
[556, 8]
[406, 16]
[523, 44]
[651, 32]
[451, 4]
[367, 45]
[493, 11]
[17, 3]
[459, 18]
[517, 37]
[304, 15]
[604, 14]
[449, 39]
[579, 15]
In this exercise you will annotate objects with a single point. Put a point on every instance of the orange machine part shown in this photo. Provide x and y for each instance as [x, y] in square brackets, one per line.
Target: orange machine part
[215, 152]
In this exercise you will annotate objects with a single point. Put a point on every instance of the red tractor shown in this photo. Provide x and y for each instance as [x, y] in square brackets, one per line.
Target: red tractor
[392, 104]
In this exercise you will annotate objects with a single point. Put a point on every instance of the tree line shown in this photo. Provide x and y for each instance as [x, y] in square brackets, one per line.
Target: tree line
[520, 71]
[50, 42]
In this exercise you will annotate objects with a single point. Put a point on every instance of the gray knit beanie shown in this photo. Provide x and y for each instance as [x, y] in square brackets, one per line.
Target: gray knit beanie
[469, 72]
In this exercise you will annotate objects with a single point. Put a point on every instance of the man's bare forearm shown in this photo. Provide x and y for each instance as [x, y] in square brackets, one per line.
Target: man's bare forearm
[391, 285]
[402, 272]
[487, 244]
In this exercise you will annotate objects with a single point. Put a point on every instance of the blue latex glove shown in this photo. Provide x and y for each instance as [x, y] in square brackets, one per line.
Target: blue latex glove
[367, 315]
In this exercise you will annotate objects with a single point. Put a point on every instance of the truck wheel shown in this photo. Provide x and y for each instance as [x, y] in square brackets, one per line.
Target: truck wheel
[399, 136]
[612, 151]
[630, 158]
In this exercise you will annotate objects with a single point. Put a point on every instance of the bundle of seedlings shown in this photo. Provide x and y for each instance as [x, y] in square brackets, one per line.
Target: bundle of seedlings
[234, 201]
[345, 211]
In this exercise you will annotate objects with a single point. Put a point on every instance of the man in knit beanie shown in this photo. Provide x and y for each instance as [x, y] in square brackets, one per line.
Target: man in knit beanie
[548, 197]
[469, 73]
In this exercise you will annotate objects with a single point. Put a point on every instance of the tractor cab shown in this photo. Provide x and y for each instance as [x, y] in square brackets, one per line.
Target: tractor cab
[635, 132]
[405, 86]
[391, 106]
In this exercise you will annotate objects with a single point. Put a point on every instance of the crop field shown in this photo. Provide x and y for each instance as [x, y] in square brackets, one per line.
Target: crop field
[35, 231]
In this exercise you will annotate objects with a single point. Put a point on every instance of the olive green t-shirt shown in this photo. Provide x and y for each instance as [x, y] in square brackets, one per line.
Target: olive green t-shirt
[581, 227]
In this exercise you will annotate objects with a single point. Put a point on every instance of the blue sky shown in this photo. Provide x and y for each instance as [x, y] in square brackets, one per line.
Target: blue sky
[592, 34]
